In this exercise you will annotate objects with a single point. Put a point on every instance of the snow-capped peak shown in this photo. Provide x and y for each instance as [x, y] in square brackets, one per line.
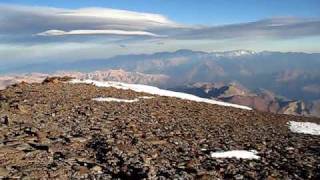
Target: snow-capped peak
[235, 53]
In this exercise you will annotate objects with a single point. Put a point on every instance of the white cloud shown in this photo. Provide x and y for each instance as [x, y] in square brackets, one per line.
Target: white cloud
[97, 32]
[273, 28]
[123, 15]
[32, 20]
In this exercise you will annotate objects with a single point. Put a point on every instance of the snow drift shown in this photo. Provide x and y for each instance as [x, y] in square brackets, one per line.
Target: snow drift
[156, 91]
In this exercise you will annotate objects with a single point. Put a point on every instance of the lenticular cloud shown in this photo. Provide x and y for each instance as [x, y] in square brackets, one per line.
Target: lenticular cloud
[97, 32]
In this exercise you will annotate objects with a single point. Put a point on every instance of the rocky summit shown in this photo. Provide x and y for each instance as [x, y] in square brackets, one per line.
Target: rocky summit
[59, 130]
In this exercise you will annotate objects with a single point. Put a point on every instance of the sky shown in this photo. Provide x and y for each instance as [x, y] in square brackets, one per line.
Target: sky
[36, 31]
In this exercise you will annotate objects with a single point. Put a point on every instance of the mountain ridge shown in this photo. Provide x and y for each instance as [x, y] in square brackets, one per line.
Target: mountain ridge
[234, 92]
[157, 54]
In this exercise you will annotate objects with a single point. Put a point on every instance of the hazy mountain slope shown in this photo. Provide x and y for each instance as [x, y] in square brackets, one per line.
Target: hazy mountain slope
[102, 75]
[7, 80]
[262, 100]
[119, 75]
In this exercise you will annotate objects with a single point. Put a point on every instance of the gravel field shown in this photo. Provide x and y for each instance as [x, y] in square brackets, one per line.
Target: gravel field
[56, 130]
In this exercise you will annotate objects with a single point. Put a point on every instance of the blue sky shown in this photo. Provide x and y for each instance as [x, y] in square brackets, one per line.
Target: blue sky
[209, 12]
[69, 30]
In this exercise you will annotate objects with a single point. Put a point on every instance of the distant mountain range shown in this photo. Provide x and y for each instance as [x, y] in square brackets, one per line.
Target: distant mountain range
[293, 75]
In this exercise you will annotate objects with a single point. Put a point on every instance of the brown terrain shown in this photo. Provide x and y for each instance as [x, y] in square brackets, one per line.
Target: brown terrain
[54, 130]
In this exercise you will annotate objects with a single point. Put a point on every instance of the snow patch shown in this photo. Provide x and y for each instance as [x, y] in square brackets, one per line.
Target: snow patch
[156, 91]
[304, 127]
[146, 97]
[239, 154]
[110, 99]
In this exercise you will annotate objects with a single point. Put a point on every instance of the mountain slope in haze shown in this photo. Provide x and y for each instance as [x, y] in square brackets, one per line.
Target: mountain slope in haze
[293, 75]
[8, 80]
[119, 75]
[262, 100]
[58, 130]
[101, 75]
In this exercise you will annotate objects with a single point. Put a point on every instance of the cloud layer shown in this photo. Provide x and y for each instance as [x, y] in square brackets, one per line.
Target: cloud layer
[30, 33]
[26, 21]
[278, 28]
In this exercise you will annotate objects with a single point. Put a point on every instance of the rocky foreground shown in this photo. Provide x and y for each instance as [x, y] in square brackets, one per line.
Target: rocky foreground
[56, 130]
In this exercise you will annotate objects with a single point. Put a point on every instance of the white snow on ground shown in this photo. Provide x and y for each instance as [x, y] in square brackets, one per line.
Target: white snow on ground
[157, 91]
[109, 99]
[304, 127]
[239, 154]
[146, 97]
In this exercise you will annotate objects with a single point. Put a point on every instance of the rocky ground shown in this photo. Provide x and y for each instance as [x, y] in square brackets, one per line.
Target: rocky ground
[55, 130]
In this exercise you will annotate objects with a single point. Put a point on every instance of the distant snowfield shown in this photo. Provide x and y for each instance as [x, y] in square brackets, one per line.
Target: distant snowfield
[156, 91]
[110, 99]
[239, 154]
[304, 127]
